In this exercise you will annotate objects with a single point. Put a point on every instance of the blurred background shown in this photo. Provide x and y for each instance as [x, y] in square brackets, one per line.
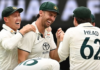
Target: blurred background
[64, 20]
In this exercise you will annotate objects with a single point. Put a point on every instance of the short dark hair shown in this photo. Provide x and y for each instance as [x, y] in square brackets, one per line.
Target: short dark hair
[38, 15]
[79, 20]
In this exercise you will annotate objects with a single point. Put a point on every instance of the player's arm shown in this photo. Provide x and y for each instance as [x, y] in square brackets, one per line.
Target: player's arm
[27, 28]
[49, 29]
[25, 46]
[64, 46]
[12, 42]
[54, 53]
[22, 55]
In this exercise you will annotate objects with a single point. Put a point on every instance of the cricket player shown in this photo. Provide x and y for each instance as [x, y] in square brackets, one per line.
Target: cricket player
[81, 43]
[38, 64]
[10, 37]
[40, 43]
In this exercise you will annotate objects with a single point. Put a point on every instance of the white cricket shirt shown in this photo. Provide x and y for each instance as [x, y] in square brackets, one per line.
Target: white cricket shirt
[36, 45]
[39, 64]
[8, 48]
[82, 45]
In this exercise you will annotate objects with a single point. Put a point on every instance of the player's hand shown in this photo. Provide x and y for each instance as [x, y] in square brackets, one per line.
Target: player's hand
[33, 28]
[27, 28]
[49, 29]
[59, 34]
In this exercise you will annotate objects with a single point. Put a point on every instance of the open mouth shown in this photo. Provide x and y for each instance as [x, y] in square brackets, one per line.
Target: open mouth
[17, 23]
[49, 22]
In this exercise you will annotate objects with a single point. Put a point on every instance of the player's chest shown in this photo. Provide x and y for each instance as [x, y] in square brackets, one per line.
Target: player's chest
[41, 46]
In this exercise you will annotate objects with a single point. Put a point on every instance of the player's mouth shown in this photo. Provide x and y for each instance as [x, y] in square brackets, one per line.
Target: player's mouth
[17, 23]
[49, 22]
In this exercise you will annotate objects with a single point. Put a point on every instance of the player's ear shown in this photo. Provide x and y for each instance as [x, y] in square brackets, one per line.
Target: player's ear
[41, 13]
[93, 24]
[5, 19]
[75, 21]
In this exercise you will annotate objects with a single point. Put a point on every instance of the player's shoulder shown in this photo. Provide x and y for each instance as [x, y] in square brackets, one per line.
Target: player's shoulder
[30, 33]
[97, 28]
[4, 33]
[71, 29]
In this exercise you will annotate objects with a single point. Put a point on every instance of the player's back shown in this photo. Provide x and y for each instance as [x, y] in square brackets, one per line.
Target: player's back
[39, 64]
[85, 47]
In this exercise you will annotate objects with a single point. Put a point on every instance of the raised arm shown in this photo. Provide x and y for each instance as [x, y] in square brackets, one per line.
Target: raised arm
[59, 36]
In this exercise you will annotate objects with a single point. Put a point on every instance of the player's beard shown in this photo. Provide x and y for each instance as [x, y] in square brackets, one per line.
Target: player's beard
[46, 24]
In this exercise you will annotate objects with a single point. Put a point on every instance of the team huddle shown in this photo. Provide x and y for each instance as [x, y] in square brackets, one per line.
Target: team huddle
[33, 46]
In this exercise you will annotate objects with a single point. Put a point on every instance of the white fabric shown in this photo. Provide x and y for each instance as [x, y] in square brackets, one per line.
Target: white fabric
[36, 45]
[38, 64]
[76, 42]
[8, 48]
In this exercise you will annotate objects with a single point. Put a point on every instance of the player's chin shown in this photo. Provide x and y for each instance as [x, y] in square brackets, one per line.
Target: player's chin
[48, 25]
[18, 27]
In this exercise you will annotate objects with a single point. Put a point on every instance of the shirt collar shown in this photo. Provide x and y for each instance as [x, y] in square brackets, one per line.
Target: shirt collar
[87, 24]
[37, 31]
[9, 29]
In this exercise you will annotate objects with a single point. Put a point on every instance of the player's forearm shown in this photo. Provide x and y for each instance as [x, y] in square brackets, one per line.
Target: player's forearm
[58, 42]
[54, 54]
[27, 28]
[11, 43]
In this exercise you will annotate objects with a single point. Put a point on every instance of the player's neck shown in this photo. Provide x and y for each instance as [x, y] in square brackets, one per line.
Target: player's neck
[39, 26]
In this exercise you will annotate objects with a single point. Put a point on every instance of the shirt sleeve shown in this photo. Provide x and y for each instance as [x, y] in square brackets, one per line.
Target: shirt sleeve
[9, 42]
[52, 43]
[63, 50]
[27, 42]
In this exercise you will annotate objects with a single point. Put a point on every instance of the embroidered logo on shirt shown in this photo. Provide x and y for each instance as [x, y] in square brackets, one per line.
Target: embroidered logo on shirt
[11, 31]
[48, 34]
[46, 47]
